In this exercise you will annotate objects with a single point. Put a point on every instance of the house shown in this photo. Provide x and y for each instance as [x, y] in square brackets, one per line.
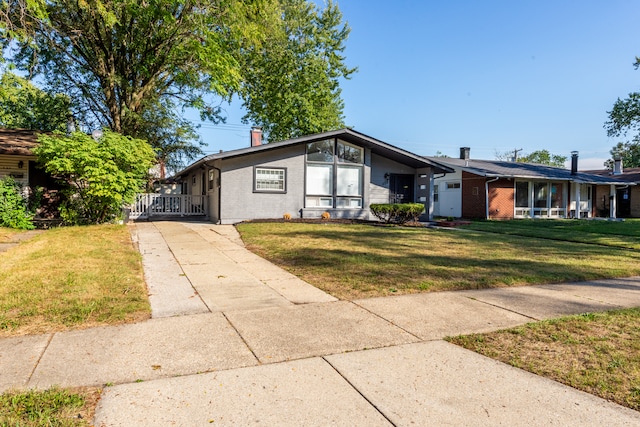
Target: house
[627, 196]
[17, 160]
[340, 172]
[505, 190]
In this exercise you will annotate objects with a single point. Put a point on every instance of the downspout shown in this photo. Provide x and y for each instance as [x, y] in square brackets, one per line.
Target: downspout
[219, 213]
[486, 195]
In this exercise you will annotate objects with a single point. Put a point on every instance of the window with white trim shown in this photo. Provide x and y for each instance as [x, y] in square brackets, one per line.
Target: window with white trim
[335, 174]
[270, 180]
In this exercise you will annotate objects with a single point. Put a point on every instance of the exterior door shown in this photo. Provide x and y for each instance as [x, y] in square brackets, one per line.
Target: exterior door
[401, 188]
[623, 202]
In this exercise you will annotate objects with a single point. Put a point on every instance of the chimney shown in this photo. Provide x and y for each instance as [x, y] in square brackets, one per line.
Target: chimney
[617, 166]
[256, 136]
[574, 162]
[464, 153]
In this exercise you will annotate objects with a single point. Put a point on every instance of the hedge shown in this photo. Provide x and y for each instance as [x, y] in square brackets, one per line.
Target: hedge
[397, 213]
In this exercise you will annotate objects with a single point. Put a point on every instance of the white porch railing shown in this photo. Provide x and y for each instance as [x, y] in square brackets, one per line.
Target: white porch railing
[147, 205]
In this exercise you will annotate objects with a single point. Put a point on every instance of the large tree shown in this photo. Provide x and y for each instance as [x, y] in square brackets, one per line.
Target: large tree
[624, 120]
[291, 84]
[134, 66]
[541, 157]
[24, 105]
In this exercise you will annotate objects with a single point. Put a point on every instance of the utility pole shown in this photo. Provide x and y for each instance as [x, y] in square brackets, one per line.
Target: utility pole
[515, 154]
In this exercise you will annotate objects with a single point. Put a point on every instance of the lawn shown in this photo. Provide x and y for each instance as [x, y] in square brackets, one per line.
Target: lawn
[71, 277]
[625, 234]
[7, 235]
[52, 407]
[598, 353]
[358, 260]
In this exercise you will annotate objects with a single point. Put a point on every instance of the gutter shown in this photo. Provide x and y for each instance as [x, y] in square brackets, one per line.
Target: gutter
[486, 194]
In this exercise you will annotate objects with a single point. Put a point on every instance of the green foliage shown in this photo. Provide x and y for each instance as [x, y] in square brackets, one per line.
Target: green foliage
[629, 152]
[544, 157]
[624, 118]
[23, 105]
[138, 64]
[100, 176]
[398, 213]
[14, 211]
[52, 407]
[291, 84]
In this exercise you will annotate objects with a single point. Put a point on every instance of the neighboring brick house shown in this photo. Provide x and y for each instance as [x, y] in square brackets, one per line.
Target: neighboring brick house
[505, 190]
[627, 197]
[341, 172]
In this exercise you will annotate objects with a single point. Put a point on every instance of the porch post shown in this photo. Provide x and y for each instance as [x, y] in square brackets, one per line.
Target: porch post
[577, 199]
[612, 202]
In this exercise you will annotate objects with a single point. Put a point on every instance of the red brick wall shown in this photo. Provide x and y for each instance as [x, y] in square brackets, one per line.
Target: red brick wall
[501, 199]
[473, 201]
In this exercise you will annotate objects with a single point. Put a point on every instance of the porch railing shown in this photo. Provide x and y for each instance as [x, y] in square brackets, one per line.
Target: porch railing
[147, 205]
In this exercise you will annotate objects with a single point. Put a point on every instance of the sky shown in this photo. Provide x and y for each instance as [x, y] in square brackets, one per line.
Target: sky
[495, 76]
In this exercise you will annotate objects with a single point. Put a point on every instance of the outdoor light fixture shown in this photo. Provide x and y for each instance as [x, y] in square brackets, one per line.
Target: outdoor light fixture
[20, 164]
[386, 176]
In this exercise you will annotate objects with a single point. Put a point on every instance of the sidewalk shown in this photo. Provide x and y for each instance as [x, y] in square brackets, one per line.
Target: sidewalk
[235, 340]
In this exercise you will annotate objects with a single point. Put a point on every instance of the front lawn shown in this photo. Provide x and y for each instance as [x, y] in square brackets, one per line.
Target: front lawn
[625, 234]
[71, 277]
[598, 353]
[356, 261]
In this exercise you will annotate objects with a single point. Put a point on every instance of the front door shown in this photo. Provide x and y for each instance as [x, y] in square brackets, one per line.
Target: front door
[401, 188]
[623, 202]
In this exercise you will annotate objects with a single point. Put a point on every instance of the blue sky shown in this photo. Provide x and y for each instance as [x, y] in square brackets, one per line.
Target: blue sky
[492, 75]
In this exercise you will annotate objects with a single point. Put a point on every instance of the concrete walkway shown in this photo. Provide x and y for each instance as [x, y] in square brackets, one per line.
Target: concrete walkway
[235, 340]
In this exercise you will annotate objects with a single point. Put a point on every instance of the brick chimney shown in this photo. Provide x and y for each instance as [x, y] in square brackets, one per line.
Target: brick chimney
[617, 166]
[256, 136]
[574, 162]
[464, 153]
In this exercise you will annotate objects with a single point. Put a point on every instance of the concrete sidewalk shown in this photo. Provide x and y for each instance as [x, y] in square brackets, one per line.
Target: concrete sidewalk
[252, 344]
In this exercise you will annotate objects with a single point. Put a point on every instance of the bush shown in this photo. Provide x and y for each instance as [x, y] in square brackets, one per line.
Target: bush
[100, 176]
[14, 210]
[397, 213]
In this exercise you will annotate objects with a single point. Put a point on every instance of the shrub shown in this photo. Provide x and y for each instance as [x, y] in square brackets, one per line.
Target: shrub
[14, 210]
[397, 213]
[287, 216]
[326, 215]
[100, 176]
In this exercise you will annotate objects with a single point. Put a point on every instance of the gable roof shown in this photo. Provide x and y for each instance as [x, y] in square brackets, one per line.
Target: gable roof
[18, 141]
[502, 169]
[628, 175]
[348, 135]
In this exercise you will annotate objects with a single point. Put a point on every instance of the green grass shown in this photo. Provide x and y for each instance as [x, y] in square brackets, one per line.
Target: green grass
[598, 353]
[48, 408]
[71, 277]
[625, 234]
[356, 261]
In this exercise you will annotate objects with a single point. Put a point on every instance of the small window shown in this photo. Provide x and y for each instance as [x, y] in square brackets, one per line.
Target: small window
[270, 180]
[475, 191]
[435, 193]
[453, 185]
[211, 179]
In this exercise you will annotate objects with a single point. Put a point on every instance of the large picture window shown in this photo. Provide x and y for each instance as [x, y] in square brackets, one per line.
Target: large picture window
[270, 180]
[334, 175]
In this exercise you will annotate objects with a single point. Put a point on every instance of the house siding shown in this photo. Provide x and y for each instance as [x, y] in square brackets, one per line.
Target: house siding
[9, 166]
[241, 203]
[635, 201]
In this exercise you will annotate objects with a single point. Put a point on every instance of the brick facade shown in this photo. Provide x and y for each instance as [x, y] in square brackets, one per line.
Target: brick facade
[501, 199]
[473, 200]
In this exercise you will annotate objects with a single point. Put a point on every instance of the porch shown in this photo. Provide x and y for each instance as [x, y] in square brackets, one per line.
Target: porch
[148, 205]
